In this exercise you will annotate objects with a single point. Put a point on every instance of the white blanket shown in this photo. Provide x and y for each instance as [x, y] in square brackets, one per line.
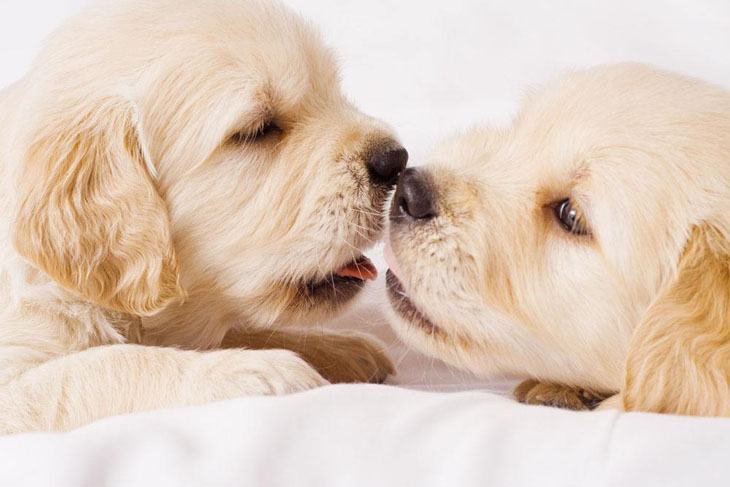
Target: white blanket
[428, 67]
[375, 436]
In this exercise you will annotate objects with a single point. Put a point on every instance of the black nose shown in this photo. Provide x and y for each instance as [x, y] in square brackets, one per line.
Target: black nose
[386, 163]
[414, 196]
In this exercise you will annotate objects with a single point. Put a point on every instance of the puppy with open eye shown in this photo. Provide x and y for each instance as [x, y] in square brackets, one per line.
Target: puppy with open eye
[587, 246]
[182, 179]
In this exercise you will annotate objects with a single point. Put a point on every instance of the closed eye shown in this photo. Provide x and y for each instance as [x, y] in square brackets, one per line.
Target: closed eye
[260, 133]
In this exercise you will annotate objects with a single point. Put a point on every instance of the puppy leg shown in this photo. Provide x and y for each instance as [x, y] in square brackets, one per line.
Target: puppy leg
[73, 390]
[557, 395]
[613, 402]
[344, 357]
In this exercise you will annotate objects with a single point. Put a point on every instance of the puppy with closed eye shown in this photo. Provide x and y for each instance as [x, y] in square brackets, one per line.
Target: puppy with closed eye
[180, 180]
[586, 246]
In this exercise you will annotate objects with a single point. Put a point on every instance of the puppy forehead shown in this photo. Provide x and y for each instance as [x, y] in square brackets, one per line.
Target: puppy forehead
[243, 45]
[618, 126]
[271, 47]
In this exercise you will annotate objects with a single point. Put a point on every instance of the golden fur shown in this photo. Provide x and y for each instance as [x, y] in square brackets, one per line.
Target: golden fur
[640, 307]
[148, 218]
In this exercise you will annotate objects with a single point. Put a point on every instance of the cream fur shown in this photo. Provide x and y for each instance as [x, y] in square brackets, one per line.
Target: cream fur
[641, 306]
[138, 233]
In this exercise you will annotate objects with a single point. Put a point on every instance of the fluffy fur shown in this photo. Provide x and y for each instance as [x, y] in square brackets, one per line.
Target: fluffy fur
[641, 306]
[146, 218]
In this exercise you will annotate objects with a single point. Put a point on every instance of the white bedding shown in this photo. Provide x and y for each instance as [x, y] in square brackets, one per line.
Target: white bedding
[375, 436]
[429, 68]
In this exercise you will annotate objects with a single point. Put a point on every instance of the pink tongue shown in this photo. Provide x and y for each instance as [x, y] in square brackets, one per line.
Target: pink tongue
[390, 258]
[361, 269]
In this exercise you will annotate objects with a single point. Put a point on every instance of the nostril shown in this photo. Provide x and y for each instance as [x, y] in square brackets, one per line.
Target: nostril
[397, 160]
[385, 165]
[414, 196]
[402, 204]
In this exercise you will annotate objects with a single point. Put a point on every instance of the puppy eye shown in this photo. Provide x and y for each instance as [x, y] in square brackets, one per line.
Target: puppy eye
[570, 218]
[259, 134]
[267, 129]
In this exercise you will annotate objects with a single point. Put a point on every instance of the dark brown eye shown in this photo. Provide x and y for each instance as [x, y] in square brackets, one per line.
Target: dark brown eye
[570, 218]
[259, 134]
[267, 129]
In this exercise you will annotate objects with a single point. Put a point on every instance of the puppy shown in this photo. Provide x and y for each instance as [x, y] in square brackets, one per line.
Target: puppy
[587, 246]
[179, 177]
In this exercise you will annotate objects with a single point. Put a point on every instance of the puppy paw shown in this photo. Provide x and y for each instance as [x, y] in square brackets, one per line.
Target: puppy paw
[285, 372]
[349, 358]
[613, 402]
[557, 395]
[236, 373]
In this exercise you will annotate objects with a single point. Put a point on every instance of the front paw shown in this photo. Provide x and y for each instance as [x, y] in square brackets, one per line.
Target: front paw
[557, 395]
[614, 402]
[350, 358]
[236, 373]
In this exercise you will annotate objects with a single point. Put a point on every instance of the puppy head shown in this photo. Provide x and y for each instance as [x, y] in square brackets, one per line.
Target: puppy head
[205, 149]
[536, 250]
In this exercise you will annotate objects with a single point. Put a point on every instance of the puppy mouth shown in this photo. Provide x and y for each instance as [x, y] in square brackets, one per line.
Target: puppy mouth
[342, 284]
[361, 269]
[403, 305]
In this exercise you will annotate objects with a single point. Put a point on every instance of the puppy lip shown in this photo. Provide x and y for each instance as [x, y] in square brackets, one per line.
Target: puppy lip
[333, 289]
[342, 284]
[334, 280]
[403, 305]
[361, 268]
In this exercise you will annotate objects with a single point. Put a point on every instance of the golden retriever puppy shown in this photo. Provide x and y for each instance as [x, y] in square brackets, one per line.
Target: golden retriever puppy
[180, 177]
[587, 246]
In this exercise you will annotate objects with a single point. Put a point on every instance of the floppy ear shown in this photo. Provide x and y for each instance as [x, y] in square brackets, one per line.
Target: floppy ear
[89, 214]
[679, 356]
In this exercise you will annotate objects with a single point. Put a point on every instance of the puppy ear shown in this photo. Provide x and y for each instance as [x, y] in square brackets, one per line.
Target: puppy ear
[679, 356]
[89, 214]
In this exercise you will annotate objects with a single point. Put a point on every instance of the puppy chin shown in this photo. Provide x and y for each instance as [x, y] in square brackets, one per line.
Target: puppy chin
[407, 309]
[401, 303]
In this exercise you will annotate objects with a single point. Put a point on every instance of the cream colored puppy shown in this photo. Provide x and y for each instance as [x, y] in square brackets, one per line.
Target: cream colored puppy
[586, 245]
[182, 175]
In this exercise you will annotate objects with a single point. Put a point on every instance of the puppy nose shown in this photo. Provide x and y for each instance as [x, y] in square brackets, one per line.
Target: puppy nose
[386, 164]
[414, 196]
